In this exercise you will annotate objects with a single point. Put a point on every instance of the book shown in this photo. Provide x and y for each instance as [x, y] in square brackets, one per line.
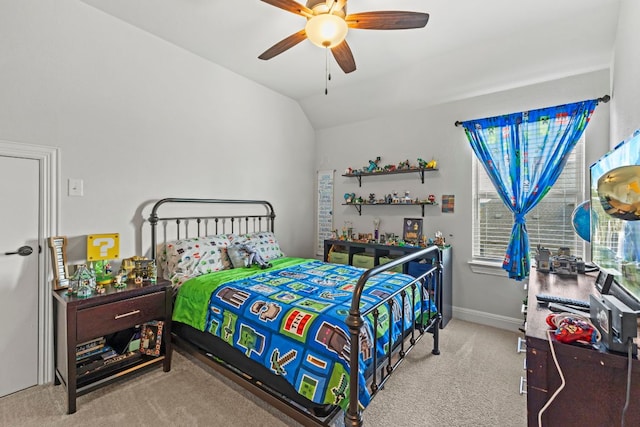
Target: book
[89, 357]
[90, 344]
[89, 350]
[100, 368]
[93, 354]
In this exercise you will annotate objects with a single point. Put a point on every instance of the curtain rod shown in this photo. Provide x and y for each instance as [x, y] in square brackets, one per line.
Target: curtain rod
[605, 99]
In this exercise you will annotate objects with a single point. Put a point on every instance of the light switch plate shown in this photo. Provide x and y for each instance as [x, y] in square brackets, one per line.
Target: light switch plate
[76, 187]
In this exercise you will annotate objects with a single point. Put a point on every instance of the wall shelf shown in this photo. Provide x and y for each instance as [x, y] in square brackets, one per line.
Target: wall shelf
[359, 206]
[420, 171]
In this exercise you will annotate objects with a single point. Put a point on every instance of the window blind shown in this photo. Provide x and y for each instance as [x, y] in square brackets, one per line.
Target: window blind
[548, 224]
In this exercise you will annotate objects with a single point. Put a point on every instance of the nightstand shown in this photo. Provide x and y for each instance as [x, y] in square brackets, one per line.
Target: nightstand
[77, 320]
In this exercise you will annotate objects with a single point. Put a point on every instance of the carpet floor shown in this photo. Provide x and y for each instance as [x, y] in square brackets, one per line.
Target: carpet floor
[473, 382]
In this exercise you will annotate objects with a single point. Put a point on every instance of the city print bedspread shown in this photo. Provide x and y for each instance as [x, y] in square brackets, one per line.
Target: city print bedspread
[291, 319]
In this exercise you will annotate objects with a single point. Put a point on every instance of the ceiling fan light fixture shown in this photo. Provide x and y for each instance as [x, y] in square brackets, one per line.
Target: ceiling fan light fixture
[326, 30]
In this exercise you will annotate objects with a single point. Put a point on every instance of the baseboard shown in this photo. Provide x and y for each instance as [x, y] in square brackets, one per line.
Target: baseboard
[484, 318]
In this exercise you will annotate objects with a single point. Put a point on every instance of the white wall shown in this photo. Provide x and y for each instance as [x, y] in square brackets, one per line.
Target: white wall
[430, 133]
[625, 103]
[139, 119]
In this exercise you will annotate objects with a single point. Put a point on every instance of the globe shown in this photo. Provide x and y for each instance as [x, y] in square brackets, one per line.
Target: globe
[581, 220]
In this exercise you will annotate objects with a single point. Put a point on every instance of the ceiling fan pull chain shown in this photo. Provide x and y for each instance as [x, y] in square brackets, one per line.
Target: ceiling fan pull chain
[327, 73]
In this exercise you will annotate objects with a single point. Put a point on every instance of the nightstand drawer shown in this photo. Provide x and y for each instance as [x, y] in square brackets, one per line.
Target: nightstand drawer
[116, 316]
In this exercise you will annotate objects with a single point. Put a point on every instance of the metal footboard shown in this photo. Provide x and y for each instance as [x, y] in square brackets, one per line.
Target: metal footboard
[430, 283]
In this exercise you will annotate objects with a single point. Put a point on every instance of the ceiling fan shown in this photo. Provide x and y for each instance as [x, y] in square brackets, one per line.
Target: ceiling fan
[328, 23]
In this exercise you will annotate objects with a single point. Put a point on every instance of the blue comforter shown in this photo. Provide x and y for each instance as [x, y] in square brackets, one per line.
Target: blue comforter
[291, 319]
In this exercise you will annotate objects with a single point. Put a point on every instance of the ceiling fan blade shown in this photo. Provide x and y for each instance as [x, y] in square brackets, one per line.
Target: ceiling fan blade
[291, 6]
[387, 20]
[344, 57]
[283, 45]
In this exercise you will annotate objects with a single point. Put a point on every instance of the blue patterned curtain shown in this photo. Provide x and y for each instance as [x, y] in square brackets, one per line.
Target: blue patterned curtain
[523, 177]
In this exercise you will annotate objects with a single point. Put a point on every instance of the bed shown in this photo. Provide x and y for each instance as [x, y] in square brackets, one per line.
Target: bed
[314, 339]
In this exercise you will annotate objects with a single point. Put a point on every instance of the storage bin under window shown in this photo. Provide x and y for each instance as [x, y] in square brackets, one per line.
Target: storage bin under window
[386, 259]
[363, 260]
[339, 257]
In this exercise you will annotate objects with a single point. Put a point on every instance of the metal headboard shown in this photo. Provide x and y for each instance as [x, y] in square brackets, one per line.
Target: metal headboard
[228, 223]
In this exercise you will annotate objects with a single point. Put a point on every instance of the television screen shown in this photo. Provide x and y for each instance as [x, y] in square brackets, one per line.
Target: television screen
[615, 215]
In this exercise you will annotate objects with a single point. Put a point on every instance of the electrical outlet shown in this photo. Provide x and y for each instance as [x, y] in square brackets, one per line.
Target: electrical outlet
[76, 187]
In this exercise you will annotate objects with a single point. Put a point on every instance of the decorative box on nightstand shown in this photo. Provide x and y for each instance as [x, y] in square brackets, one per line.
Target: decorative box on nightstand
[79, 320]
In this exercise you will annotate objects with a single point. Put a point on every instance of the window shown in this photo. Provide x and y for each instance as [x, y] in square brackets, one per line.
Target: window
[548, 224]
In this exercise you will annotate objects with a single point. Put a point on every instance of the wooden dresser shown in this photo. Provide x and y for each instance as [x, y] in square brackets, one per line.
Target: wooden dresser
[596, 382]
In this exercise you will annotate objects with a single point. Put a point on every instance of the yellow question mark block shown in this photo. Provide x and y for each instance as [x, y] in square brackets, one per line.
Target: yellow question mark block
[103, 246]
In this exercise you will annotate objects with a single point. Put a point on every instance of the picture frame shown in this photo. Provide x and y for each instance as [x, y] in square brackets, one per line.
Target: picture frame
[448, 203]
[412, 230]
[151, 338]
[58, 247]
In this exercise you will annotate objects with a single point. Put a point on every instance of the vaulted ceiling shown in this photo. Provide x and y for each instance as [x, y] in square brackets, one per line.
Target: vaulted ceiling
[468, 48]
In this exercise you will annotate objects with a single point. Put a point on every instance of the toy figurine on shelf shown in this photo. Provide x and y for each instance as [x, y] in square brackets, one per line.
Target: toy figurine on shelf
[439, 240]
[376, 228]
[431, 198]
[348, 230]
[120, 281]
[373, 164]
[395, 199]
[432, 164]
[389, 168]
[421, 163]
[372, 198]
[404, 165]
[406, 198]
[349, 197]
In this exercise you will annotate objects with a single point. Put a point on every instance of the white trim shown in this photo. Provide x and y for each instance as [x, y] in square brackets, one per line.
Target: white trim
[488, 267]
[48, 159]
[483, 318]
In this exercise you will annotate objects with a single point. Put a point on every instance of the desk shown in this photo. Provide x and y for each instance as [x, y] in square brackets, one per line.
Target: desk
[596, 382]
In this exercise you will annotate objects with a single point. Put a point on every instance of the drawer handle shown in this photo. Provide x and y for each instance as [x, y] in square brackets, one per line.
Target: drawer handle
[131, 313]
[522, 345]
[523, 385]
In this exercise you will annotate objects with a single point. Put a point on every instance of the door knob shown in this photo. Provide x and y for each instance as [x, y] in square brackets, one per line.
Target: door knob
[22, 251]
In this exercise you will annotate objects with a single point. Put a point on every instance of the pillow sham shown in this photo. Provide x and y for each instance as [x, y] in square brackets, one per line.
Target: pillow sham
[195, 256]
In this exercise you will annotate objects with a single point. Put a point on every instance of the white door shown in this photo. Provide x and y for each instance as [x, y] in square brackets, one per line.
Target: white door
[19, 204]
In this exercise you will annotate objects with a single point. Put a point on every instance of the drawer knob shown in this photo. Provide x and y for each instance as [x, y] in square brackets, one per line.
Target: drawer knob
[131, 313]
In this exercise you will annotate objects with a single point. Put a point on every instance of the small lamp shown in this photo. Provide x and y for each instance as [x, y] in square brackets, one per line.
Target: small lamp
[326, 30]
